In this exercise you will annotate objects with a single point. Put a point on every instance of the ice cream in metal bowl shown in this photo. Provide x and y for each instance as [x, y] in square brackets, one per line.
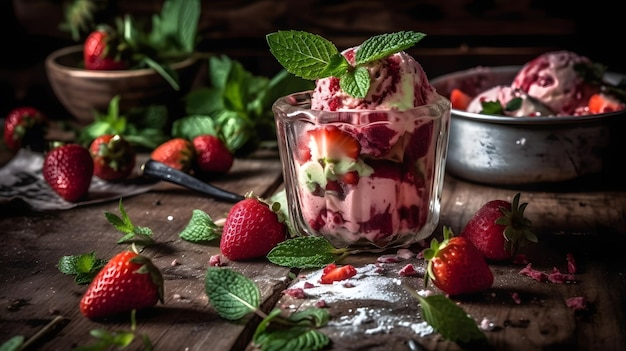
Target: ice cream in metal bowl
[536, 147]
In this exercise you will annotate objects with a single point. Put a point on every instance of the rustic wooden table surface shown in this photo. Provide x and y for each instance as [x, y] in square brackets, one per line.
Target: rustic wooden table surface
[586, 219]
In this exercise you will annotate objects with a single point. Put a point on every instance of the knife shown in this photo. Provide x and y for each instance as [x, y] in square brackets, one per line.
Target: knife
[164, 172]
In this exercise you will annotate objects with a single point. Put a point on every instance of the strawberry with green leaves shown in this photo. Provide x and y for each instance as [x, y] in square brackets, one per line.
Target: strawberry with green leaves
[499, 228]
[68, 169]
[113, 157]
[104, 49]
[456, 267]
[252, 229]
[25, 127]
[177, 153]
[212, 155]
[129, 281]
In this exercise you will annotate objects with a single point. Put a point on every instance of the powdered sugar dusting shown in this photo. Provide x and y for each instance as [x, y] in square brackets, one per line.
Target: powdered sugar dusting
[376, 321]
[368, 284]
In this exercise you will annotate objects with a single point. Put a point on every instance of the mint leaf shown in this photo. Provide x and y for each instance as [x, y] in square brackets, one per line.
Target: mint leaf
[356, 83]
[491, 108]
[294, 338]
[306, 55]
[450, 320]
[296, 332]
[200, 228]
[232, 294]
[84, 267]
[317, 317]
[381, 46]
[13, 344]
[312, 57]
[513, 104]
[133, 234]
[304, 252]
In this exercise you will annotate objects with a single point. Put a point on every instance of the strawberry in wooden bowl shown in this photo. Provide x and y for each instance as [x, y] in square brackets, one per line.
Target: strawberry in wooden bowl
[142, 66]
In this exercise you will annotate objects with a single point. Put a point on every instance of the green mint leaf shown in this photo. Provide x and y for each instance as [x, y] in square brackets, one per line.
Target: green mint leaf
[356, 83]
[513, 104]
[381, 46]
[13, 344]
[200, 228]
[294, 338]
[133, 234]
[191, 126]
[303, 252]
[118, 223]
[164, 71]
[450, 320]
[232, 294]
[491, 108]
[317, 317]
[297, 332]
[84, 267]
[305, 54]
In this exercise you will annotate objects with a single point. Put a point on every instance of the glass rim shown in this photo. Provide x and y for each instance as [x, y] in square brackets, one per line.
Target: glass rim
[297, 104]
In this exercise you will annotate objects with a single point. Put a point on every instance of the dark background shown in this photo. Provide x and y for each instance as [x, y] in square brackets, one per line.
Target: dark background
[460, 33]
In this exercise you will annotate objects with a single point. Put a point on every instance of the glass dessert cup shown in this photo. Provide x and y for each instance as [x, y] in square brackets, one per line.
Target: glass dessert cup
[371, 179]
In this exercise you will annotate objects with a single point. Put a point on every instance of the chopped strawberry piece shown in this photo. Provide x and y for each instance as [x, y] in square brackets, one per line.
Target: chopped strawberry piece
[459, 99]
[333, 273]
[334, 144]
[602, 103]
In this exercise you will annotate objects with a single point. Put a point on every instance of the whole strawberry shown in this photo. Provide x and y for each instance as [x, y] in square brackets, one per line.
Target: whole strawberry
[251, 230]
[25, 127]
[103, 49]
[128, 281]
[177, 153]
[212, 155]
[113, 157]
[68, 170]
[456, 267]
[499, 228]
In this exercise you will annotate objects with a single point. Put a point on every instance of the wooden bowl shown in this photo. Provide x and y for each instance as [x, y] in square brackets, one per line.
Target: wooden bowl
[82, 92]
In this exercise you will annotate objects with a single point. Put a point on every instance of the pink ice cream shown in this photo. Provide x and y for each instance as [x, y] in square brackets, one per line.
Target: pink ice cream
[549, 85]
[529, 106]
[397, 82]
[552, 79]
[371, 177]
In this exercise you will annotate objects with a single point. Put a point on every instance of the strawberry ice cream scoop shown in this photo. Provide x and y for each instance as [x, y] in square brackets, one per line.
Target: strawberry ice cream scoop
[553, 79]
[529, 106]
[398, 82]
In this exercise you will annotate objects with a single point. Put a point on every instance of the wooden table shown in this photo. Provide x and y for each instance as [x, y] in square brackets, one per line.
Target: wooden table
[586, 219]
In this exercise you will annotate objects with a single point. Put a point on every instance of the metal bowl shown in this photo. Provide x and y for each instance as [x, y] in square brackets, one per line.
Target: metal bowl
[504, 150]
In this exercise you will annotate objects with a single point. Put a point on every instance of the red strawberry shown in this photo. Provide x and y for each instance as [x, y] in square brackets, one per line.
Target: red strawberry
[25, 127]
[177, 153]
[127, 282]
[498, 228]
[212, 155]
[459, 99]
[333, 273]
[456, 267]
[103, 49]
[251, 230]
[68, 170]
[603, 103]
[113, 157]
[332, 144]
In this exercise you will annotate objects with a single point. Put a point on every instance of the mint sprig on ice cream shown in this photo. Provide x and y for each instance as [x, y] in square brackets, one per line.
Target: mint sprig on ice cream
[312, 57]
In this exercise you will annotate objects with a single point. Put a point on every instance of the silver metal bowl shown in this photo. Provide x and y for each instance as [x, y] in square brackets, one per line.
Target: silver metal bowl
[503, 150]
